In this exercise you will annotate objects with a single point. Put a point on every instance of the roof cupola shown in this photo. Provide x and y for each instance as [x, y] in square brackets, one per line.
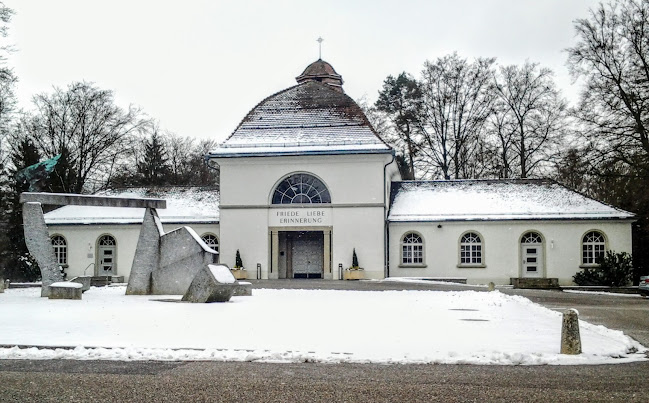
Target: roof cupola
[322, 72]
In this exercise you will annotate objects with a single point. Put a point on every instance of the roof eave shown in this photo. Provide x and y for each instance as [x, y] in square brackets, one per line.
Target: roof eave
[297, 153]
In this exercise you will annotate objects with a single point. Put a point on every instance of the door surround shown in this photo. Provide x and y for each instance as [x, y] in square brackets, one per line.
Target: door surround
[274, 250]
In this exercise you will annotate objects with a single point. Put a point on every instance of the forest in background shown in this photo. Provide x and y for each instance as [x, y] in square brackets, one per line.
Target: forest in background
[456, 119]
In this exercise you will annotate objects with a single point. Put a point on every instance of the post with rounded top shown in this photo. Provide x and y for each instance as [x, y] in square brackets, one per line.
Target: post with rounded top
[570, 338]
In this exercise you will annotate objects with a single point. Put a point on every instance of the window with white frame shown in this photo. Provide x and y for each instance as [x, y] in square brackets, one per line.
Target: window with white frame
[593, 248]
[471, 249]
[301, 189]
[211, 240]
[412, 249]
[60, 249]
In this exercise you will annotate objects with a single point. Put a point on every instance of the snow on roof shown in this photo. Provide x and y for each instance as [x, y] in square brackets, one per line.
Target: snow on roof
[184, 205]
[309, 117]
[494, 200]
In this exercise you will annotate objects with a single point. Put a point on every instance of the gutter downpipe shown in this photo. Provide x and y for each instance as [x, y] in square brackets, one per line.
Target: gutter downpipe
[386, 200]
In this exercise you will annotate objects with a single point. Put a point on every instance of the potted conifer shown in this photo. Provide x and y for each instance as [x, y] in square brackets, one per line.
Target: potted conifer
[355, 272]
[238, 271]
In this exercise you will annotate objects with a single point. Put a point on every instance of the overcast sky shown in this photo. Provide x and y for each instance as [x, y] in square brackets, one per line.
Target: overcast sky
[198, 66]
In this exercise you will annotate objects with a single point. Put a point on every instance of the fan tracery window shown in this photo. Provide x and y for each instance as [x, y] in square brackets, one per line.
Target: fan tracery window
[301, 188]
[532, 237]
[470, 249]
[412, 249]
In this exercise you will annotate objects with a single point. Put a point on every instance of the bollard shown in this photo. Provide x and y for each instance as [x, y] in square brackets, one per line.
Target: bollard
[491, 286]
[2, 285]
[570, 338]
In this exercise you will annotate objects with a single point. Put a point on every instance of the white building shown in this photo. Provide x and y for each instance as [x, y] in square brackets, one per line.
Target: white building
[305, 181]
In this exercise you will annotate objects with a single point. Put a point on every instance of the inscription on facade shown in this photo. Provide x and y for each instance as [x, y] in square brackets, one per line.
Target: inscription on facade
[299, 217]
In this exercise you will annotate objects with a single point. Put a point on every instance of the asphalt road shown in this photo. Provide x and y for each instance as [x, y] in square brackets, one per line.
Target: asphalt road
[110, 381]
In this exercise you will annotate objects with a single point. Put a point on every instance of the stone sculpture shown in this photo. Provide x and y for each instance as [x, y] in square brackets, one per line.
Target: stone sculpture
[213, 283]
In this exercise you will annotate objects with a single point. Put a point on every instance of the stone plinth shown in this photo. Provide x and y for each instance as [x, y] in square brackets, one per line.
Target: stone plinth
[213, 283]
[242, 289]
[570, 338]
[65, 290]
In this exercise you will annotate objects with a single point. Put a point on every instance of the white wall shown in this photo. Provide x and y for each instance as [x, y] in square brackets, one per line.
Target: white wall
[350, 178]
[356, 186]
[501, 247]
[82, 242]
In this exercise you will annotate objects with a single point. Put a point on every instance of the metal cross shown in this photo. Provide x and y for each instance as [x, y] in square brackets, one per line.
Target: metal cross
[320, 47]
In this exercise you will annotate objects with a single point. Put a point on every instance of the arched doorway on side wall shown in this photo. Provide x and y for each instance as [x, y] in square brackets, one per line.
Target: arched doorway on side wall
[106, 256]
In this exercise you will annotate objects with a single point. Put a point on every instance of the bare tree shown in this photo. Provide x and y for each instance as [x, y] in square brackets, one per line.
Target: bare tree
[612, 55]
[456, 104]
[537, 112]
[83, 122]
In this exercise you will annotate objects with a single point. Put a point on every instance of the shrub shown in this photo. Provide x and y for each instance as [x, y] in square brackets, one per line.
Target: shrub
[614, 270]
[354, 260]
[237, 261]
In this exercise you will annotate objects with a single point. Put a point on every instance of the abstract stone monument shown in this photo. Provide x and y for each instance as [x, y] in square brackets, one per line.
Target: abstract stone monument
[164, 263]
[38, 242]
[37, 237]
[213, 283]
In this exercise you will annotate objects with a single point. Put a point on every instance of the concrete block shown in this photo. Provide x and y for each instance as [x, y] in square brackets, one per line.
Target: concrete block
[65, 290]
[570, 338]
[213, 283]
[38, 242]
[66, 199]
[182, 256]
[84, 281]
[242, 289]
[147, 254]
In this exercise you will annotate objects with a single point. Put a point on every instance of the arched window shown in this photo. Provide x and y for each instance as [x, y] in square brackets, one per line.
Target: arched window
[532, 237]
[593, 247]
[212, 241]
[412, 249]
[60, 249]
[470, 249]
[301, 188]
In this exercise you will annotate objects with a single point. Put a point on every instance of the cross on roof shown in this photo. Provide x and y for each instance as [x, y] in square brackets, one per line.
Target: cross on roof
[319, 40]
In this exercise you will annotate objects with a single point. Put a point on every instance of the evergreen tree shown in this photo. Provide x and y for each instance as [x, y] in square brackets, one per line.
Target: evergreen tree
[238, 263]
[355, 260]
[154, 169]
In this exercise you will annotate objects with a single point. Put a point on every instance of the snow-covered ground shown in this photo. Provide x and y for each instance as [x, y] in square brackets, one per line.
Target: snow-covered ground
[301, 325]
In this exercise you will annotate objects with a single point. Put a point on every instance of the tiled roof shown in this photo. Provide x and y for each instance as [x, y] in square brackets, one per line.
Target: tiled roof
[301, 117]
[524, 199]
